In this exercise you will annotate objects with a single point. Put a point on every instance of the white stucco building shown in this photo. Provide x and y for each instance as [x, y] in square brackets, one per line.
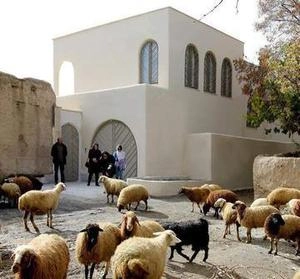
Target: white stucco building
[163, 85]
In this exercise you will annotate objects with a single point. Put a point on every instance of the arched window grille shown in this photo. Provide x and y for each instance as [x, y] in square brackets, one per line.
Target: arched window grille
[209, 73]
[226, 78]
[191, 76]
[149, 63]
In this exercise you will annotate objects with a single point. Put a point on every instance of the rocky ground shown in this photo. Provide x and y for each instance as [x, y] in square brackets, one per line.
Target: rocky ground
[228, 258]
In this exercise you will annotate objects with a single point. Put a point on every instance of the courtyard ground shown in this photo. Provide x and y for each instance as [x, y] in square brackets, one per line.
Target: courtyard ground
[228, 258]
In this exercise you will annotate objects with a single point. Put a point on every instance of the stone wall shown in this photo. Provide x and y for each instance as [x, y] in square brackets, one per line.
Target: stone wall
[27, 124]
[270, 172]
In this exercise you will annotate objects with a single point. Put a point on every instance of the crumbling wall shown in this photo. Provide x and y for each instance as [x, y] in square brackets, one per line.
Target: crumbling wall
[271, 172]
[27, 124]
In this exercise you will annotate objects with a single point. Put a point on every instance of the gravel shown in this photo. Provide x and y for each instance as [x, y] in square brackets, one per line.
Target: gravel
[228, 258]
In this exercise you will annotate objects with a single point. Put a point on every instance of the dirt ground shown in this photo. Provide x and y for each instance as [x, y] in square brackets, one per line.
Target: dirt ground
[227, 258]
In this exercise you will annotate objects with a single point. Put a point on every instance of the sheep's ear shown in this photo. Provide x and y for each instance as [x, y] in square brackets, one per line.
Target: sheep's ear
[84, 230]
[136, 220]
[157, 233]
[100, 230]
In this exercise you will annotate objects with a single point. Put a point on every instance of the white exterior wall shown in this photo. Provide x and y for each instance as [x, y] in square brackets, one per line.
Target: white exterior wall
[126, 105]
[107, 56]
[226, 160]
[163, 118]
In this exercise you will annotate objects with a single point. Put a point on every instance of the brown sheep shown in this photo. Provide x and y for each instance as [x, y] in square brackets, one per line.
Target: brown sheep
[24, 183]
[252, 217]
[227, 195]
[96, 244]
[131, 226]
[195, 195]
[45, 257]
[294, 206]
[281, 196]
[282, 226]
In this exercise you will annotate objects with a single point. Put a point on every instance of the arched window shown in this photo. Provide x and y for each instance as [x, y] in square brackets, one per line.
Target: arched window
[191, 76]
[66, 79]
[209, 73]
[226, 78]
[149, 63]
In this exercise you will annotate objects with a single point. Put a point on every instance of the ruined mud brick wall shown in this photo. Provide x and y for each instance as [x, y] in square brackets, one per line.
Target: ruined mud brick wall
[26, 125]
[271, 172]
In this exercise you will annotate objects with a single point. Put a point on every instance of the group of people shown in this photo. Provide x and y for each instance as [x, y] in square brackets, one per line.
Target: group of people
[97, 162]
[105, 163]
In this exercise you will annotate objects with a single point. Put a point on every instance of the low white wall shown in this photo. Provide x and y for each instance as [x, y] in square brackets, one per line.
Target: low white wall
[164, 188]
[226, 160]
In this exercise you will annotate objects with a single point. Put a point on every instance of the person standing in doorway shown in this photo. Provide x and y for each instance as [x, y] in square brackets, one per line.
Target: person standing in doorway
[120, 161]
[94, 163]
[59, 159]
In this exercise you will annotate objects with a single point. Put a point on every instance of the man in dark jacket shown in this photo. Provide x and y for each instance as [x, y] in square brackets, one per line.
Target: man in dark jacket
[59, 155]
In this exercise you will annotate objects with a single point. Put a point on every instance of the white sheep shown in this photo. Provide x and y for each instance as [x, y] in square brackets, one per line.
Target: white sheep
[44, 257]
[40, 202]
[281, 196]
[11, 191]
[259, 201]
[297, 275]
[132, 193]
[131, 226]
[282, 226]
[112, 186]
[139, 257]
[228, 213]
[294, 206]
[211, 187]
[252, 217]
[96, 244]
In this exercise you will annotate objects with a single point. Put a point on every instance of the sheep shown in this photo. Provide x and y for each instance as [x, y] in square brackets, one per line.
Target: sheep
[281, 196]
[36, 184]
[40, 202]
[24, 183]
[112, 186]
[228, 195]
[211, 187]
[282, 226]
[259, 201]
[139, 257]
[294, 206]
[228, 213]
[11, 191]
[96, 244]
[44, 257]
[196, 195]
[297, 275]
[193, 233]
[132, 193]
[252, 217]
[131, 226]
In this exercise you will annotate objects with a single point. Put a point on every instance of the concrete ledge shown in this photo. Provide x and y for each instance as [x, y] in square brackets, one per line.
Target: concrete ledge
[164, 186]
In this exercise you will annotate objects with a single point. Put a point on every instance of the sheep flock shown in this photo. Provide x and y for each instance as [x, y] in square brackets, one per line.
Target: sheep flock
[134, 241]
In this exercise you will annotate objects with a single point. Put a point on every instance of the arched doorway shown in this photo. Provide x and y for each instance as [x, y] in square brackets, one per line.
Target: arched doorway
[114, 132]
[71, 139]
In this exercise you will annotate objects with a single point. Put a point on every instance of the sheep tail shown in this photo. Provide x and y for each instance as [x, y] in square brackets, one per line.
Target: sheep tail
[137, 268]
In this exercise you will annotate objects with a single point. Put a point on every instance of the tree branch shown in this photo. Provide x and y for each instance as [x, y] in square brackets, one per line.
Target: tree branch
[215, 7]
[291, 13]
